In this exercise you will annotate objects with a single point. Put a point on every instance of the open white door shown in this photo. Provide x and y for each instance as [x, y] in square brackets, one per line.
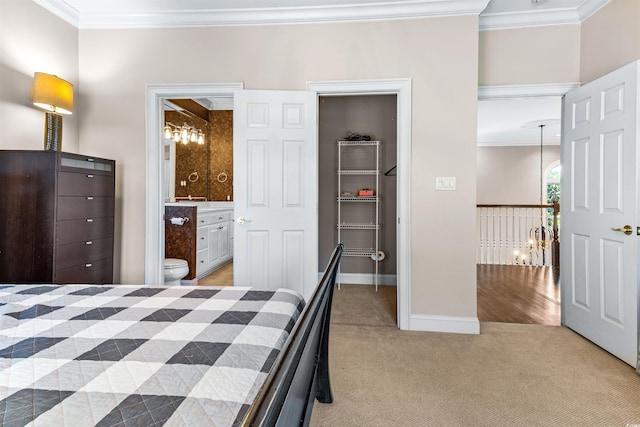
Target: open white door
[599, 266]
[275, 168]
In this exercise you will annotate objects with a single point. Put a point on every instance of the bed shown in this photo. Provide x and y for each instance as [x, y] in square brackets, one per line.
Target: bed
[116, 355]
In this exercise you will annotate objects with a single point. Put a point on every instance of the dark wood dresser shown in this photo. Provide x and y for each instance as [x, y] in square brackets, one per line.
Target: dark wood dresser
[56, 217]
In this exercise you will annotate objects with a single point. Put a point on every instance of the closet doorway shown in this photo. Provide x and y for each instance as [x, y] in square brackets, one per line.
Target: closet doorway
[367, 295]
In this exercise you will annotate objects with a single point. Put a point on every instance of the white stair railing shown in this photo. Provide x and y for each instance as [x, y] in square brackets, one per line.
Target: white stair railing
[518, 234]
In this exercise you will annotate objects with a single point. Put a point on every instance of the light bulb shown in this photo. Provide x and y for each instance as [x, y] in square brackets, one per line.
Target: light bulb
[167, 132]
[193, 135]
[176, 135]
[200, 138]
[184, 135]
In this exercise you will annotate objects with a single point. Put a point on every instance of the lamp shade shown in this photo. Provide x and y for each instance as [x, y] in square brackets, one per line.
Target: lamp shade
[51, 93]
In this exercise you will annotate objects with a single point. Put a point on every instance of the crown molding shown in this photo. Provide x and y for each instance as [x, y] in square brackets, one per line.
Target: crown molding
[190, 13]
[62, 10]
[541, 17]
[589, 7]
[525, 91]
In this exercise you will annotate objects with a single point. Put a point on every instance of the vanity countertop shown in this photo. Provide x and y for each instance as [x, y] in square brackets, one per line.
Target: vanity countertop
[205, 210]
[204, 207]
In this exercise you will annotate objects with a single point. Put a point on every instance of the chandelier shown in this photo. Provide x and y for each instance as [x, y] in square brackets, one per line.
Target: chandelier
[184, 133]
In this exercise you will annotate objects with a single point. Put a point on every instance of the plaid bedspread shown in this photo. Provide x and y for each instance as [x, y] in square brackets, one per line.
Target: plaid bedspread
[81, 355]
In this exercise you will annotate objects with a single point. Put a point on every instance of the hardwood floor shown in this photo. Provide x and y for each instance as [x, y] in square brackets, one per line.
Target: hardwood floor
[506, 293]
[519, 294]
[221, 277]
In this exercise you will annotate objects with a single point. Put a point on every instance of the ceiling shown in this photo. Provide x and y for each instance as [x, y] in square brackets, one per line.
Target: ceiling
[511, 122]
[500, 122]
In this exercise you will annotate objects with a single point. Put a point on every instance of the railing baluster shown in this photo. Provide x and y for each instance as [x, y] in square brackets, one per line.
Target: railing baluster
[517, 234]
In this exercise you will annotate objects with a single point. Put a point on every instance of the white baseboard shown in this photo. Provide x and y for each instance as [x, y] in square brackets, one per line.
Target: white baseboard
[364, 279]
[452, 324]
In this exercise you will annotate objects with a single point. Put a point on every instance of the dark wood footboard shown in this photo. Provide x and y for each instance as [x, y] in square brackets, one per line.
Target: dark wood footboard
[300, 374]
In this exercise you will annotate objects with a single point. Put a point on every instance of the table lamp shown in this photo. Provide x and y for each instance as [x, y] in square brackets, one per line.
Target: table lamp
[55, 96]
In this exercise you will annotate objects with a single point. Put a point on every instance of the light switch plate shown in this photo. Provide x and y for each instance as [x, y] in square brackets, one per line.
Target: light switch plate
[445, 183]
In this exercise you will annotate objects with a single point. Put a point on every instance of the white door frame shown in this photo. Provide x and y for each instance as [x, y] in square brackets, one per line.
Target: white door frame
[154, 225]
[402, 89]
[527, 91]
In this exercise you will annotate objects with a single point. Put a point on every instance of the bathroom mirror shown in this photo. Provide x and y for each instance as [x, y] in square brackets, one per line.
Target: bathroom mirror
[198, 171]
[169, 167]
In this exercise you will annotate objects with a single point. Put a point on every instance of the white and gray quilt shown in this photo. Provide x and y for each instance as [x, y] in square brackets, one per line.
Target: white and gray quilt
[123, 355]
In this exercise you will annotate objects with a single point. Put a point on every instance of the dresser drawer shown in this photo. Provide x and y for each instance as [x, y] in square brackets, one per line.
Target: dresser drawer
[94, 272]
[79, 163]
[82, 253]
[81, 230]
[85, 184]
[84, 207]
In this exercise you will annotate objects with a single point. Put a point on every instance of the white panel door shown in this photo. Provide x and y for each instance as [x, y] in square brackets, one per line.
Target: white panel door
[599, 273]
[275, 167]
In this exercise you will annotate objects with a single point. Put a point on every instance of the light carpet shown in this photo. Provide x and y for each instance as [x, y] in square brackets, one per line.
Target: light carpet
[509, 375]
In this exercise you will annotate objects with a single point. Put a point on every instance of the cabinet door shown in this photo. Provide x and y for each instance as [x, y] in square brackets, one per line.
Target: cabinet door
[223, 236]
[214, 245]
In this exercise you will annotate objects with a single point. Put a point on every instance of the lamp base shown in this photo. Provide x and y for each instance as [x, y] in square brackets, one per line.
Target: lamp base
[52, 131]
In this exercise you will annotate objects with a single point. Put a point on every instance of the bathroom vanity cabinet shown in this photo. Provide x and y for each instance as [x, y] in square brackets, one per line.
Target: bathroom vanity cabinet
[57, 213]
[205, 241]
[214, 243]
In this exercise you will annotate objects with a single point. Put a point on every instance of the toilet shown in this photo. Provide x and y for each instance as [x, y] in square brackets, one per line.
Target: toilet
[174, 270]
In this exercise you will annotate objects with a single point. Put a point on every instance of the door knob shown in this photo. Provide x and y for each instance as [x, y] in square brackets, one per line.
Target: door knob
[627, 229]
[242, 220]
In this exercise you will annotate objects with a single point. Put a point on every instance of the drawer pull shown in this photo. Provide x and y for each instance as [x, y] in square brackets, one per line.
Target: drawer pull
[220, 228]
[88, 265]
[201, 261]
[89, 219]
[88, 243]
[90, 160]
[202, 238]
[89, 198]
[89, 176]
[220, 217]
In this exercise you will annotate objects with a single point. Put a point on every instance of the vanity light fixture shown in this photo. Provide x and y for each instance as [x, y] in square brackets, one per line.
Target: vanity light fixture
[55, 96]
[184, 134]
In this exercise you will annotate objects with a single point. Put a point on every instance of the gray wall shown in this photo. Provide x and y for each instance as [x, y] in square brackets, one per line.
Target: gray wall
[373, 115]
